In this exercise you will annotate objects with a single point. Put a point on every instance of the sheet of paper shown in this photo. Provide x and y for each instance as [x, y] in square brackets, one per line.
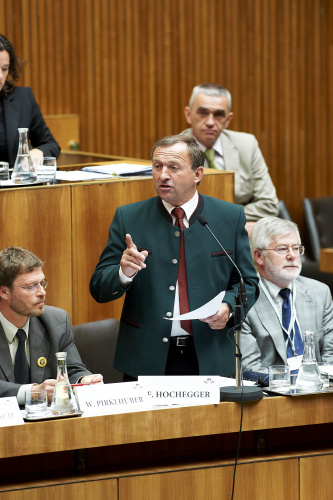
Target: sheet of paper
[120, 169]
[78, 175]
[204, 311]
[10, 413]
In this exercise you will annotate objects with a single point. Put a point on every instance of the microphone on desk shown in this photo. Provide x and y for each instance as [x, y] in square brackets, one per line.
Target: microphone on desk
[243, 296]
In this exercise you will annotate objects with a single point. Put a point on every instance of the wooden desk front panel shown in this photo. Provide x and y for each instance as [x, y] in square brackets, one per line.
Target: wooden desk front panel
[78, 490]
[93, 208]
[39, 219]
[274, 480]
[316, 479]
[197, 474]
[166, 424]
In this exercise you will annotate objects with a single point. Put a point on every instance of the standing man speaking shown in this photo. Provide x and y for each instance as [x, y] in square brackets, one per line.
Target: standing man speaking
[167, 263]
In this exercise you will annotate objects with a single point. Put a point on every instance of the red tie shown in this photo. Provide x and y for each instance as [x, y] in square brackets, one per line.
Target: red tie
[184, 306]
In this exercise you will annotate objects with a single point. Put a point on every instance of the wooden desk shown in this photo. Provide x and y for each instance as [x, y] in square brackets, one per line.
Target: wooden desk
[178, 453]
[67, 226]
[326, 260]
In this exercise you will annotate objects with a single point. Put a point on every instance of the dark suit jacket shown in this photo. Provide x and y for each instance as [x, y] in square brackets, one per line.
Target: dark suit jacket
[143, 340]
[22, 111]
[48, 334]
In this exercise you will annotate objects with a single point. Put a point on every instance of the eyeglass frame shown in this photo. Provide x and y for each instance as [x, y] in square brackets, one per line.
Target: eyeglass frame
[32, 288]
[301, 249]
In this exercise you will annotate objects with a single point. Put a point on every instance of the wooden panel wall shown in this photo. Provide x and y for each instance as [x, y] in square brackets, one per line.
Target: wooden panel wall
[127, 67]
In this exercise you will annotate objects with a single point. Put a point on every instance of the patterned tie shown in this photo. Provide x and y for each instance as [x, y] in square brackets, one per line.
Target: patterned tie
[184, 306]
[286, 317]
[210, 155]
[21, 366]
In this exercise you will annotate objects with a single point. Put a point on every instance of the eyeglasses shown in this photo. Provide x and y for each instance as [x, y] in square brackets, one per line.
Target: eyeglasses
[33, 288]
[284, 250]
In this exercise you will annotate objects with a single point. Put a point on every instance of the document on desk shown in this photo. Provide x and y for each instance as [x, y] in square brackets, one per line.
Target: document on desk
[78, 175]
[120, 169]
[204, 311]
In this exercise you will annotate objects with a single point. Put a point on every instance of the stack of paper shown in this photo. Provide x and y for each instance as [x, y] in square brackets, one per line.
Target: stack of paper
[120, 169]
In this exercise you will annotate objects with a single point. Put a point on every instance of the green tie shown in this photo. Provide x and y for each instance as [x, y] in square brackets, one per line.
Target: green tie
[210, 155]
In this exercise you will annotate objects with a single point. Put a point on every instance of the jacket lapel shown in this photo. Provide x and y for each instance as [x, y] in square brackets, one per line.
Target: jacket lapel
[270, 322]
[12, 111]
[305, 308]
[6, 365]
[230, 153]
[231, 160]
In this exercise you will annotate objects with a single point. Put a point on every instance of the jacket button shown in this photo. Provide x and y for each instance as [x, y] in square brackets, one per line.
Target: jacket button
[174, 261]
[172, 288]
[168, 314]
[165, 339]
[177, 234]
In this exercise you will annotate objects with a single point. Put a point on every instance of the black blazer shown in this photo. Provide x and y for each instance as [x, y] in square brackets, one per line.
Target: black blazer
[22, 111]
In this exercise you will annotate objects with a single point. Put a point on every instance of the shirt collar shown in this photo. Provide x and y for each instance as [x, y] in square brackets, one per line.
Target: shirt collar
[10, 329]
[217, 146]
[273, 289]
[188, 207]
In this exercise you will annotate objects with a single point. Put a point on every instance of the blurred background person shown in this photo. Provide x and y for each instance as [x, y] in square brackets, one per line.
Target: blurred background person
[19, 109]
[209, 115]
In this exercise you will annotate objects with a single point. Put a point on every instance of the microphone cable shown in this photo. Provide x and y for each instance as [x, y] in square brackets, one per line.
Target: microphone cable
[242, 298]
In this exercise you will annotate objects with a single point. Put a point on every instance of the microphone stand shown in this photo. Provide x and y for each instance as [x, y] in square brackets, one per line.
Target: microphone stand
[240, 392]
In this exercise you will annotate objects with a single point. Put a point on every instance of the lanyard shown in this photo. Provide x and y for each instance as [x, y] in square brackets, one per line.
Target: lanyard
[290, 332]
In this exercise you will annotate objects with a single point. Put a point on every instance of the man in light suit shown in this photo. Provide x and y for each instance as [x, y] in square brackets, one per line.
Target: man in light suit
[209, 114]
[46, 329]
[265, 340]
[141, 260]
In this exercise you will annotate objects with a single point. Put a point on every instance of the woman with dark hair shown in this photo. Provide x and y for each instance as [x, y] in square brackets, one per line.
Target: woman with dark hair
[19, 109]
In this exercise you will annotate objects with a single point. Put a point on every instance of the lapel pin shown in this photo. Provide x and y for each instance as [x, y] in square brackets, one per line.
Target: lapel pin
[41, 362]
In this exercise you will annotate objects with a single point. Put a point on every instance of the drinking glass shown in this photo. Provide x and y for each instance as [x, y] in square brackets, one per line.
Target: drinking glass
[326, 370]
[36, 402]
[279, 378]
[4, 171]
[46, 169]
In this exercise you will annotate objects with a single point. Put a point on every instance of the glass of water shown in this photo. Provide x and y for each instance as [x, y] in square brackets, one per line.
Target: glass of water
[36, 402]
[326, 371]
[46, 169]
[279, 378]
[4, 171]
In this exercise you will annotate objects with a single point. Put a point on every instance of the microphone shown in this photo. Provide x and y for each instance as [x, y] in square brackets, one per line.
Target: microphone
[238, 393]
[202, 220]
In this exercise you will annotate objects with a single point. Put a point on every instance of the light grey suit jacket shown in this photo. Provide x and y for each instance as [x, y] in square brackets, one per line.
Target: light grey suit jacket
[254, 189]
[262, 343]
[48, 334]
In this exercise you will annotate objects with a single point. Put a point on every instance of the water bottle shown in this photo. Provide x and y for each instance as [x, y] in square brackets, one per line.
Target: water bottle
[309, 378]
[63, 400]
[24, 172]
